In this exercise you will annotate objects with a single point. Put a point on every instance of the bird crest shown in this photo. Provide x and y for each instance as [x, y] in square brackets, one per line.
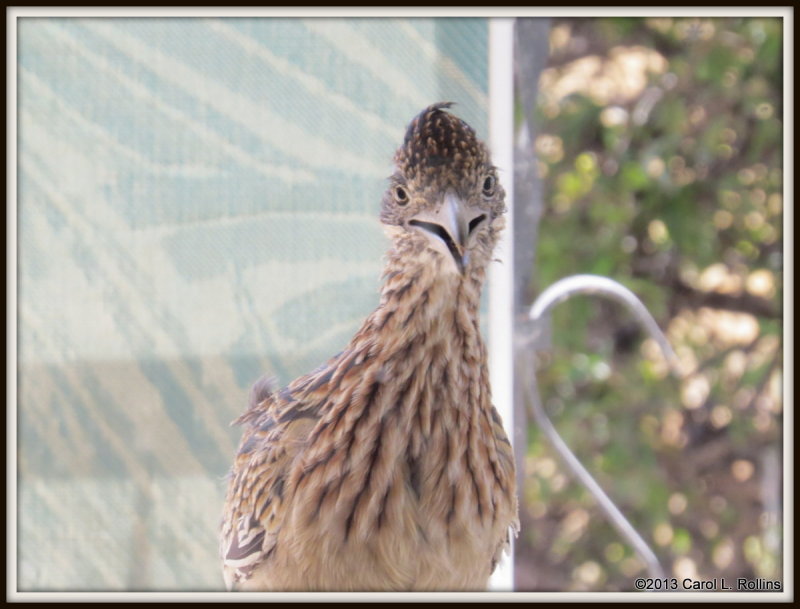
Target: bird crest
[435, 138]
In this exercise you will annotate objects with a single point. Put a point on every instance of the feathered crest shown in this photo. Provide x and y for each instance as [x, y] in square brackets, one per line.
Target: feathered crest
[435, 138]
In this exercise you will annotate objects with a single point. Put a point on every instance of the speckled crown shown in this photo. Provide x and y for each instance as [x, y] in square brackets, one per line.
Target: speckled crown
[435, 138]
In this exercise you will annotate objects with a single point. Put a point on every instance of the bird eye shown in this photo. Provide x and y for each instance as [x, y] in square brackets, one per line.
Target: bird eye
[400, 195]
[489, 185]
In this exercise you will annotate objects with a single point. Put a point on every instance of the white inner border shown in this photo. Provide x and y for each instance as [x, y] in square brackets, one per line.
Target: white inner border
[787, 13]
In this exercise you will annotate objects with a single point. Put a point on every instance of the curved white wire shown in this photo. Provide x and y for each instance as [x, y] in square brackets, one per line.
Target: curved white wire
[602, 286]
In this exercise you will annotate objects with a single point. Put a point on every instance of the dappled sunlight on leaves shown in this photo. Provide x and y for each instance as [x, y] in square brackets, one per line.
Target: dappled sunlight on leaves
[660, 148]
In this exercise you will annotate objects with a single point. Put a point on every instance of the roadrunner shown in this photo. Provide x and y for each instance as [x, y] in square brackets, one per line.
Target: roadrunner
[388, 468]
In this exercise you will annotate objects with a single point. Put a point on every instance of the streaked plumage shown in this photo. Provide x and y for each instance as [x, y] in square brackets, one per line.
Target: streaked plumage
[388, 468]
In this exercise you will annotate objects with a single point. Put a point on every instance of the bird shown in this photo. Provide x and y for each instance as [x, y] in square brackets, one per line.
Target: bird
[388, 468]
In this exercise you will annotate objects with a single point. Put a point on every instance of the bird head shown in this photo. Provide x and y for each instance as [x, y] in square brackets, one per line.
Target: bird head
[445, 195]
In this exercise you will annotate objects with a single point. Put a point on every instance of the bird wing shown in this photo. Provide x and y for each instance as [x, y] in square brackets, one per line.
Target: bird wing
[278, 425]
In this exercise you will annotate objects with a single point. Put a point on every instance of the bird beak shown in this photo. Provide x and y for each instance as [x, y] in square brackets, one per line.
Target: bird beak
[449, 226]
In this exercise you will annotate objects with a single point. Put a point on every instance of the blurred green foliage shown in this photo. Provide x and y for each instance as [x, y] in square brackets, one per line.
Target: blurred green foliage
[661, 152]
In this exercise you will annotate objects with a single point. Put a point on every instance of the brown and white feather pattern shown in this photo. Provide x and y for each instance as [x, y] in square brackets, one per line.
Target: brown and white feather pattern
[387, 468]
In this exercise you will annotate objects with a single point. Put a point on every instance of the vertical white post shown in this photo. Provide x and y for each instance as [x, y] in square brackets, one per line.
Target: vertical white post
[501, 275]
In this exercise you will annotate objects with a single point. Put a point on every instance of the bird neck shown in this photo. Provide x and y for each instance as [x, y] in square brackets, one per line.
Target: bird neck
[421, 295]
[407, 409]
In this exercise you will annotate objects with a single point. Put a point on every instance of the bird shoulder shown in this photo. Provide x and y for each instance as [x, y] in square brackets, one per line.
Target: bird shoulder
[277, 424]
